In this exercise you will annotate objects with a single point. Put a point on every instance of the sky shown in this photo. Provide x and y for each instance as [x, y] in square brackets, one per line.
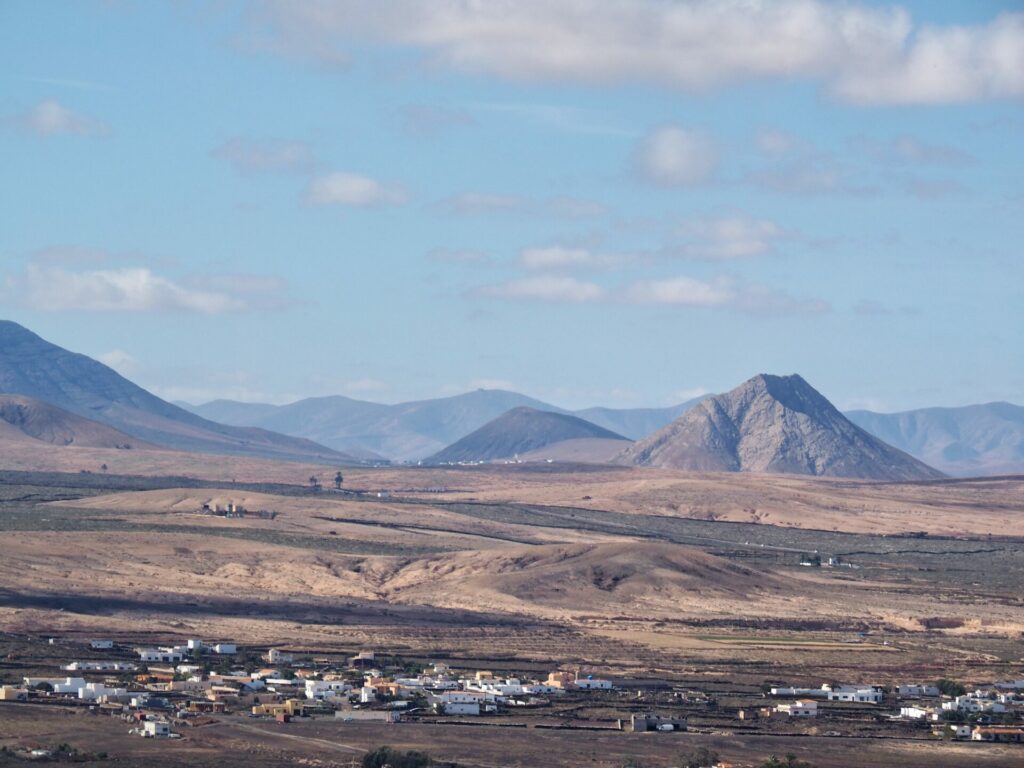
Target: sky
[594, 202]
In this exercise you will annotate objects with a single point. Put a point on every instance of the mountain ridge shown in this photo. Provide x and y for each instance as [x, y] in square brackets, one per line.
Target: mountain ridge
[73, 382]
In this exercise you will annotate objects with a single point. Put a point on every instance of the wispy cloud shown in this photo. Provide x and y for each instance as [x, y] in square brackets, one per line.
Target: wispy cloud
[271, 155]
[675, 156]
[428, 120]
[910, 150]
[552, 288]
[679, 291]
[353, 189]
[721, 238]
[481, 203]
[51, 118]
[126, 289]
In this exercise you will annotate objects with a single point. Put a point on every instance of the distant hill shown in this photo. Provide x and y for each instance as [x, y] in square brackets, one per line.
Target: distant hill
[25, 418]
[519, 431]
[414, 430]
[635, 423]
[774, 424]
[968, 441]
[36, 368]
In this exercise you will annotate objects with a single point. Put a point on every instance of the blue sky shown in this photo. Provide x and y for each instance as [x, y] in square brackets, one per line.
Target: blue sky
[589, 201]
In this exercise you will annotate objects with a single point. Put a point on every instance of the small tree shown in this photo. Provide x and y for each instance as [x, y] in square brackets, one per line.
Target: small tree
[338, 479]
[950, 687]
[314, 483]
[103, 467]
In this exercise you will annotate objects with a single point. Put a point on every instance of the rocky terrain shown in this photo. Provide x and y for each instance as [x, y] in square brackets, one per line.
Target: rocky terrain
[776, 424]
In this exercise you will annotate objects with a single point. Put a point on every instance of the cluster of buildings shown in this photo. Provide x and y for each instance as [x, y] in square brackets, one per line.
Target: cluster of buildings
[176, 683]
[233, 510]
[993, 714]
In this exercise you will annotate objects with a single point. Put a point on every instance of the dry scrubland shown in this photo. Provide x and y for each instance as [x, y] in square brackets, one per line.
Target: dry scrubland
[635, 573]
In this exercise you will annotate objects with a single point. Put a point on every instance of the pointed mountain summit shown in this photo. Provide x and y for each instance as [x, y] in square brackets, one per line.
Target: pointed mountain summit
[777, 424]
[520, 431]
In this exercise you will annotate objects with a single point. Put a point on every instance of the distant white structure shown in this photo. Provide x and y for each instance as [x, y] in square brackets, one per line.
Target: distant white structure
[593, 684]
[194, 645]
[156, 728]
[799, 708]
[917, 690]
[101, 645]
[225, 648]
[866, 694]
[164, 655]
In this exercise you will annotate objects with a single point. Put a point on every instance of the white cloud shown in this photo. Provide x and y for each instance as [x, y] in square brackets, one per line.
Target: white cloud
[682, 395]
[353, 189]
[128, 289]
[121, 361]
[568, 207]
[862, 53]
[941, 65]
[481, 203]
[250, 156]
[546, 288]
[727, 237]
[674, 156]
[560, 257]
[683, 291]
[910, 150]
[721, 292]
[50, 118]
[428, 120]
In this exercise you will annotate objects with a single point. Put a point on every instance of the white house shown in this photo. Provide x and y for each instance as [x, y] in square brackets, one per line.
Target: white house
[276, 656]
[101, 645]
[155, 728]
[159, 654]
[194, 645]
[868, 694]
[98, 666]
[461, 708]
[326, 689]
[593, 684]
[225, 648]
[915, 713]
[915, 690]
[367, 694]
[799, 708]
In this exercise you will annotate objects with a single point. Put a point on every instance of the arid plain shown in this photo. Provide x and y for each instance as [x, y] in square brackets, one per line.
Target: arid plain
[636, 574]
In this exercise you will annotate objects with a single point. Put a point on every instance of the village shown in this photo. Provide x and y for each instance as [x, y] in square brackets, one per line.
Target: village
[163, 692]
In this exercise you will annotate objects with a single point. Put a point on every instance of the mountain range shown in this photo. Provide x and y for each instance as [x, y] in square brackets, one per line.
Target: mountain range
[984, 439]
[777, 424]
[77, 384]
[70, 399]
[415, 430]
[521, 431]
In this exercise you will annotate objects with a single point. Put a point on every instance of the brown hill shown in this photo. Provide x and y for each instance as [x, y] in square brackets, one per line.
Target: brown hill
[576, 577]
[774, 424]
[519, 431]
[25, 418]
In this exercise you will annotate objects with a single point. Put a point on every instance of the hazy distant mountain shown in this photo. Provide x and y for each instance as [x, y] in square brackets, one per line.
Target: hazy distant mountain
[635, 423]
[36, 368]
[25, 418]
[414, 430]
[774, 424]
[968, 441]
[520, 431]
[403, 432]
